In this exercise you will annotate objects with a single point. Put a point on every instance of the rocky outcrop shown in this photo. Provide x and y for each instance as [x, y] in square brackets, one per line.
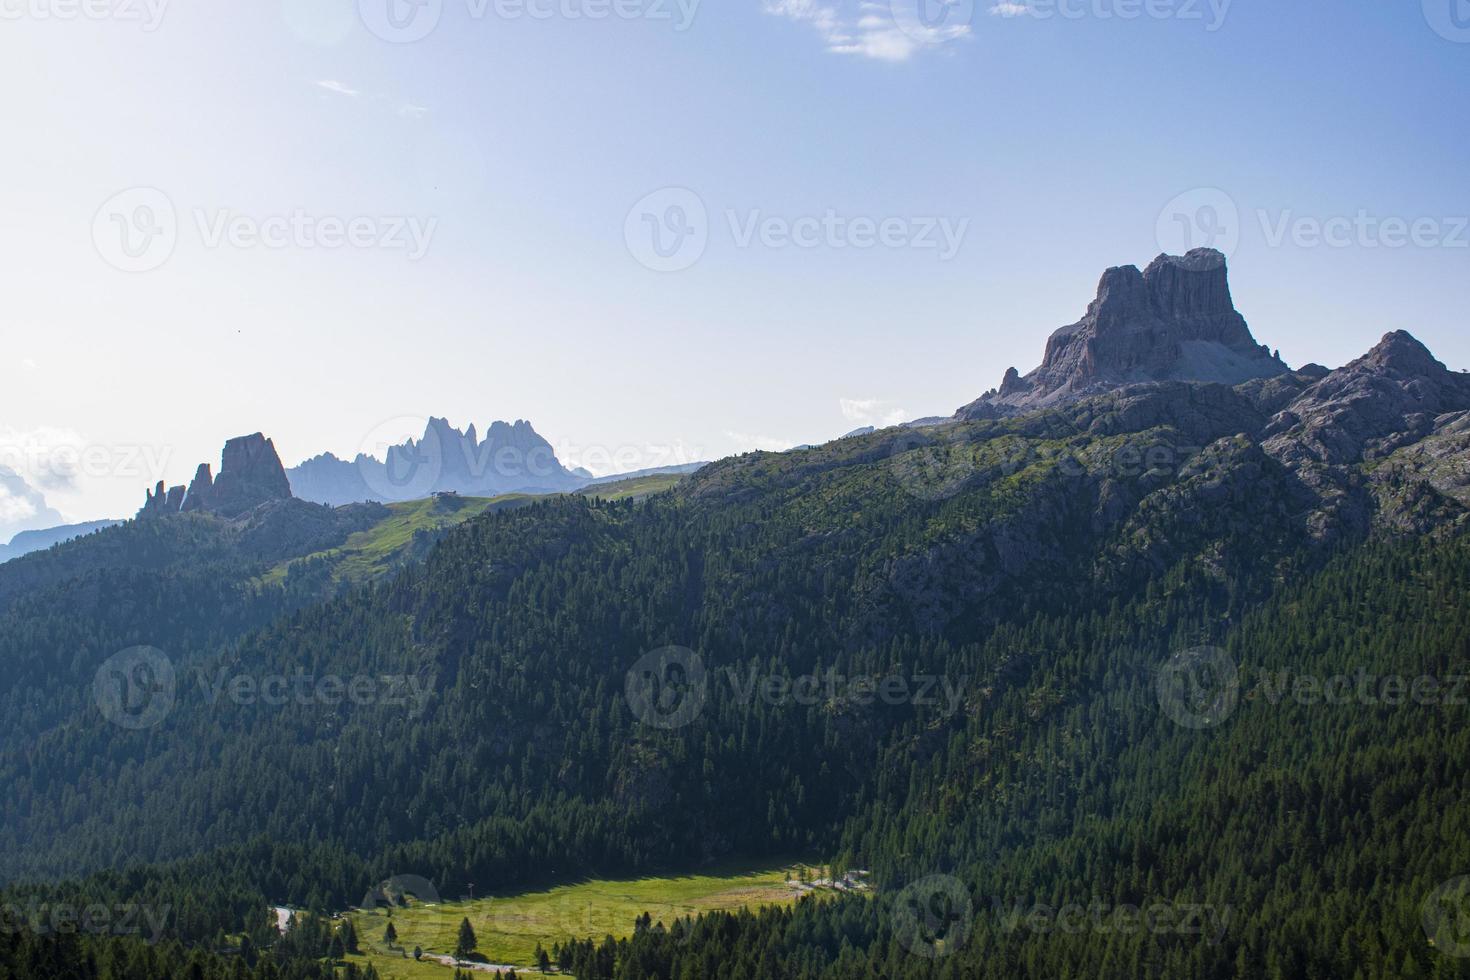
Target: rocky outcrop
[200, 489]
[251, 474]
[1174, 321]
[1390, 398]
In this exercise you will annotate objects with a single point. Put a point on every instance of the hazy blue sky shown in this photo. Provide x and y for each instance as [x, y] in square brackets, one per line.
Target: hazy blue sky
[1049, 142]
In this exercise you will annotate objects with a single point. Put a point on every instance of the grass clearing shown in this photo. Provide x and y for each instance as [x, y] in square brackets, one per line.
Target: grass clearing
[405, 534]
[510, 926]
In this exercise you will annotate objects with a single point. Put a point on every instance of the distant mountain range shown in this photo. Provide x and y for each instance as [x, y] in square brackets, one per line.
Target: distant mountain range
[512, 458]
[28, 541]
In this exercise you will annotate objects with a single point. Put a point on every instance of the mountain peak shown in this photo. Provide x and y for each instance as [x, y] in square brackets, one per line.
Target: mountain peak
[1174, 321]
[1400, 352]
[250, 474]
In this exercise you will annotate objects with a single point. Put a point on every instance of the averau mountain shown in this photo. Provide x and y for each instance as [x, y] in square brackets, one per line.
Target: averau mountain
[511, 458]
[1175, 321]
[1166, 348]
[1048, 564]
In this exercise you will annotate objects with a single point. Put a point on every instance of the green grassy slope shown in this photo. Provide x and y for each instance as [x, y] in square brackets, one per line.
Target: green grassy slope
[406, 534]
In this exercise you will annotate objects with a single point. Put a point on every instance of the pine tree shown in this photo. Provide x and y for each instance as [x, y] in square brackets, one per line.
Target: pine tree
[349, 936]
[467, 941]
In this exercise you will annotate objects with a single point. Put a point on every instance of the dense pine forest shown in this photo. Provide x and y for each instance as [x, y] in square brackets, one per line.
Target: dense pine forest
[1025, 582]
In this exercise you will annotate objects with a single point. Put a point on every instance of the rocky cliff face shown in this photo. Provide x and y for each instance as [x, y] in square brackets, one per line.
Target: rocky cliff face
[1382, 443]
[1393, 396]
[512, 458]
[1174, 321]
[250, 474]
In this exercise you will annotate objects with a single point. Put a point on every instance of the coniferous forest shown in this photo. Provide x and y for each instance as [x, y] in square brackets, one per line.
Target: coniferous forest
[1032, 798]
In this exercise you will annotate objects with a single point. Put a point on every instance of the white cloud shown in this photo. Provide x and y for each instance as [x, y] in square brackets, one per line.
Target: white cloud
[22, 507]
[872, 411]
[46, 457]
[411, 111]
[1008, 9]
[331, 85]
[746, 442]
[882, 31]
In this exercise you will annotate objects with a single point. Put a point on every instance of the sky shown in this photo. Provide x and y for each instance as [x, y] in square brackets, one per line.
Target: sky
[672, 230]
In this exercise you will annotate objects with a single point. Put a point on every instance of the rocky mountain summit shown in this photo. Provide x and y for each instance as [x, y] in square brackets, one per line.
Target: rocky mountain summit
[250, 474]
[1394, 395]
[511, 458]
[1174, 321]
